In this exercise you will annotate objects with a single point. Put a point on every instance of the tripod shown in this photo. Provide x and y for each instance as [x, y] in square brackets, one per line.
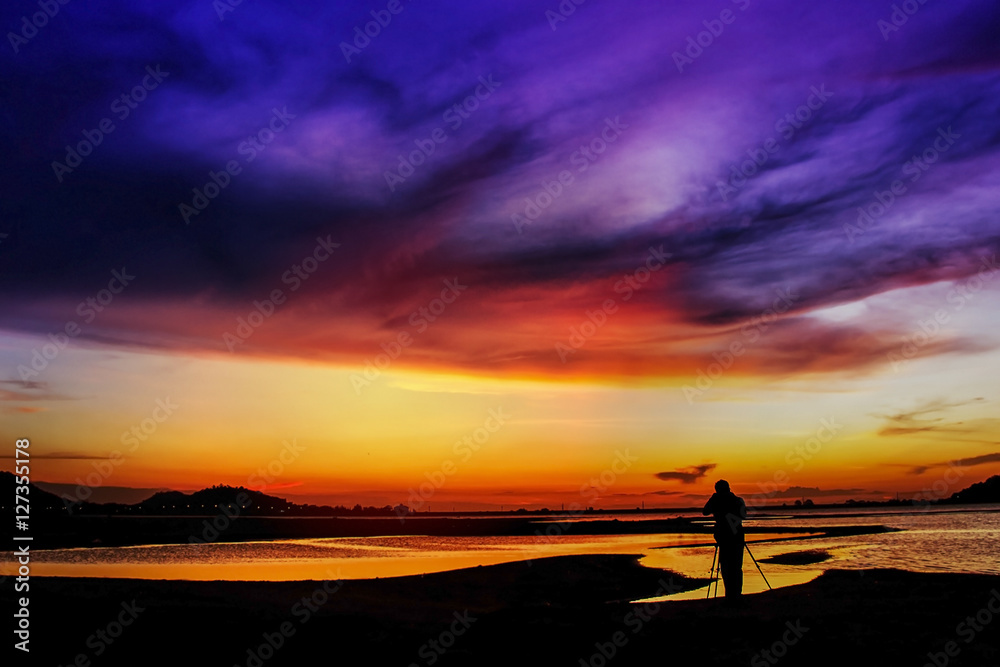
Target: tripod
[716, 570]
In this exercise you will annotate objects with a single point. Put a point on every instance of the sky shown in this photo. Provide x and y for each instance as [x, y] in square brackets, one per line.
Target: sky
[513, 254]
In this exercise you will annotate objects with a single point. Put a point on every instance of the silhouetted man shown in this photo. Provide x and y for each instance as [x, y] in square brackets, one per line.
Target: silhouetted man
[729, 511]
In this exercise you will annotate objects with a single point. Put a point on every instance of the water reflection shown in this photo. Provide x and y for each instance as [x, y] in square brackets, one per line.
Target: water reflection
[931, 542]
[348, 558]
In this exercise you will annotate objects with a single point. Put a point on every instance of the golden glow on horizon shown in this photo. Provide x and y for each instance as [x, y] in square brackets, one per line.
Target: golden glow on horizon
[371, 444]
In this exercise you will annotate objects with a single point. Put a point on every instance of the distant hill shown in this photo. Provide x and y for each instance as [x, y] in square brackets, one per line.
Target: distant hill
[987, 491]
[214, 499]
[39, 500]
[106, 493]
[204, 502]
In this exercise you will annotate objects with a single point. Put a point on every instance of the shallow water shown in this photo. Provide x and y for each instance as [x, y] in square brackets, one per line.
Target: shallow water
[931, 542]
[332, 558]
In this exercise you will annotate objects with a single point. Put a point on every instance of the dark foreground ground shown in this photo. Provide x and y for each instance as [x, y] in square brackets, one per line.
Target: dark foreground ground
[554, 611]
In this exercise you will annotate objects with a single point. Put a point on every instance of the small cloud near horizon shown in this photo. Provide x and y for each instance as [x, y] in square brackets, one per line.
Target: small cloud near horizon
[688, 475]
[915, 421]
[982, 459]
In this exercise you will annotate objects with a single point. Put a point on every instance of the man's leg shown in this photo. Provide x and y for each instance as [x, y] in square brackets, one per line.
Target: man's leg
[731, 557]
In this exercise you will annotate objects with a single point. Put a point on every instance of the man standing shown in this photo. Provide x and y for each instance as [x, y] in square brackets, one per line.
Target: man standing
[729, 511]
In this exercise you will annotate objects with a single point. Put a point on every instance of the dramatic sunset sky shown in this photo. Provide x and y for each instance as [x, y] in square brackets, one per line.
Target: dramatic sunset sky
[602, 290]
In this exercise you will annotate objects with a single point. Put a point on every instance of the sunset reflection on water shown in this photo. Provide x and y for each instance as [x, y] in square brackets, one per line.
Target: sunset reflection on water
[341, 558]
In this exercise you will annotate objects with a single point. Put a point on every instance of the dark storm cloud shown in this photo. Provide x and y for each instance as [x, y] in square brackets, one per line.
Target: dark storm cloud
[793, 223]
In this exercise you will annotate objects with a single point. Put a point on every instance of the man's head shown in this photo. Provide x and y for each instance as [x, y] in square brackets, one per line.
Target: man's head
[722, 486]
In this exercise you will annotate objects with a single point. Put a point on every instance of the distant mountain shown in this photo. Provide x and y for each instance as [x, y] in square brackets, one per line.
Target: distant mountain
[38, 499]
[164, 500]
[106, 493]
[987, 491]
[214, 499]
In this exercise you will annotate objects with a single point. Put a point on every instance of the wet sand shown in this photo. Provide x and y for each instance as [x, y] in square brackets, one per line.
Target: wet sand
[553, 611]
[809, 557]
